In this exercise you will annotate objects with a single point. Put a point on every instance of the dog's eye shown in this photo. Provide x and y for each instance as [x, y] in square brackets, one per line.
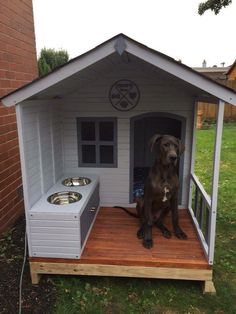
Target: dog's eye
[166, 145]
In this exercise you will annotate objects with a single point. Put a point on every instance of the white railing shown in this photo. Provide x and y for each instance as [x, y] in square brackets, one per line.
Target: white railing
[202, 207]
[200, 210]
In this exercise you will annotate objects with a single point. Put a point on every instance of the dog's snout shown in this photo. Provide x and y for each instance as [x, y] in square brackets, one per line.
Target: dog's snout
[173, 158]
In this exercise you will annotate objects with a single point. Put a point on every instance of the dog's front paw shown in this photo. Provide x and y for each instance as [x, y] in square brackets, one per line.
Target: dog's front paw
[166, 233]
[148, 243]
[180, 234]
[140, 234]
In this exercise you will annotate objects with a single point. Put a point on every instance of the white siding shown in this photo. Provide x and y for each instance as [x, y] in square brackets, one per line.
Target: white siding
[56, 134]
[46, 148]
[54, 235]
[93, 101]
[32, 153]
[42, 145]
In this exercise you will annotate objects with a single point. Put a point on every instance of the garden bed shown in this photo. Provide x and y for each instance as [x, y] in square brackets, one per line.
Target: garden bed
[35, 299]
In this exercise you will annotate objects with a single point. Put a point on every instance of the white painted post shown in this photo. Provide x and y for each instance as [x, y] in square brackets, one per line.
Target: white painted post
[52, 142]
[193, 147]
[19, 119]
[40, 154]
[193, 178]
[215, 180]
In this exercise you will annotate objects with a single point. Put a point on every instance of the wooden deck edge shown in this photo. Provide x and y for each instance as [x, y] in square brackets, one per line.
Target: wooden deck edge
[38, 268]
[167, 264]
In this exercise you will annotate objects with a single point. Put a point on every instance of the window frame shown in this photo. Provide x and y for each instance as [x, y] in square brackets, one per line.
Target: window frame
[97, 142]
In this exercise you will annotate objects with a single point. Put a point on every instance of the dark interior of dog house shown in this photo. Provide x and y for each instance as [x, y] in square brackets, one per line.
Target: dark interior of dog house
[143, 129]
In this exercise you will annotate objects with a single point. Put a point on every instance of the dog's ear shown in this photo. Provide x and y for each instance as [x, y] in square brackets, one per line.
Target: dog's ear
[154, 140]
[181, 147]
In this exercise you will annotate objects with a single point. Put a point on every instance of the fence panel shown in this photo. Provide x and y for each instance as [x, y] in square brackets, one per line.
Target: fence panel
[208, 111]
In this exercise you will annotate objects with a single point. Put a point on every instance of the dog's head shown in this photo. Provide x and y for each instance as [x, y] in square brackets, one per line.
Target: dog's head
[169, 148]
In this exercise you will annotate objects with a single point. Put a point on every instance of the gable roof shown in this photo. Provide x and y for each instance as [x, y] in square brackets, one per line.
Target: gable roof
[215, 73]
[119, 44]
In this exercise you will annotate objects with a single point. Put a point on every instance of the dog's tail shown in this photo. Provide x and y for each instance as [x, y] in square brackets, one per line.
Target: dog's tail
[127, 211]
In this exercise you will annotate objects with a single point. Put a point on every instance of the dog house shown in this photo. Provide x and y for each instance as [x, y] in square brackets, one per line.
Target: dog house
[83, 134]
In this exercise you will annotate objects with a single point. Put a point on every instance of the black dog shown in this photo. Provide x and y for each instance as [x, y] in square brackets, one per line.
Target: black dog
[161, 190]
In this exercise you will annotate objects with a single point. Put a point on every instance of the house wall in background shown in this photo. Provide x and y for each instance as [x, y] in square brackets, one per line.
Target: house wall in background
[231, 75]
[18, 66]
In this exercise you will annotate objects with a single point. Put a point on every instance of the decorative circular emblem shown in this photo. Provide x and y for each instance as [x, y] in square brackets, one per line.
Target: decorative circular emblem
[124, 95]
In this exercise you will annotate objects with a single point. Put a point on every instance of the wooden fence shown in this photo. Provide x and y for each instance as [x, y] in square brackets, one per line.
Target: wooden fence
[207, 111]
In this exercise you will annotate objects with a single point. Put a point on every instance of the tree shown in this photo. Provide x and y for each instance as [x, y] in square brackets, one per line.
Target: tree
[213, 5]
[49, 59]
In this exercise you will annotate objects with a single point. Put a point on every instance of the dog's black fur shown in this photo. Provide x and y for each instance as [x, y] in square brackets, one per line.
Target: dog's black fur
[160, 190]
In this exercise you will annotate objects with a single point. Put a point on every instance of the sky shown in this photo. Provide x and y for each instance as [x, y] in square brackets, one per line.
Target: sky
[172, 27]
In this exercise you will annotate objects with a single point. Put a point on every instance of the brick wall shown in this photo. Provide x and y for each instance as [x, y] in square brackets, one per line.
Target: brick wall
[18, 66]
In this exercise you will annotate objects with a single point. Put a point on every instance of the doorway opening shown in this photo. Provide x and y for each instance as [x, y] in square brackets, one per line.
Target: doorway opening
[142, 128]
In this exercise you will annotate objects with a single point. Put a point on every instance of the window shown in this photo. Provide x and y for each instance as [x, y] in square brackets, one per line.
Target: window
[97, 142]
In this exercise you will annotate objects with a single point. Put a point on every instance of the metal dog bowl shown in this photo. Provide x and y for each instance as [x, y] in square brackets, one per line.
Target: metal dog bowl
[76, 181]
[64, 198]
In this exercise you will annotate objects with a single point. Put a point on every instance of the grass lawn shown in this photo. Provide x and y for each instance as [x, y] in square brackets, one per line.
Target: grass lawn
[122, 295]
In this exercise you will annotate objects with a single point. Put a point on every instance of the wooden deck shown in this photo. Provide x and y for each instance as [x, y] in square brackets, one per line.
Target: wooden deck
[113, 241]
[113, 249]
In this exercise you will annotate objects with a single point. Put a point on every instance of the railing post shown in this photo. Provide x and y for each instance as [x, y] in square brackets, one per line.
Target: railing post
[215, 180]
[192, 152]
